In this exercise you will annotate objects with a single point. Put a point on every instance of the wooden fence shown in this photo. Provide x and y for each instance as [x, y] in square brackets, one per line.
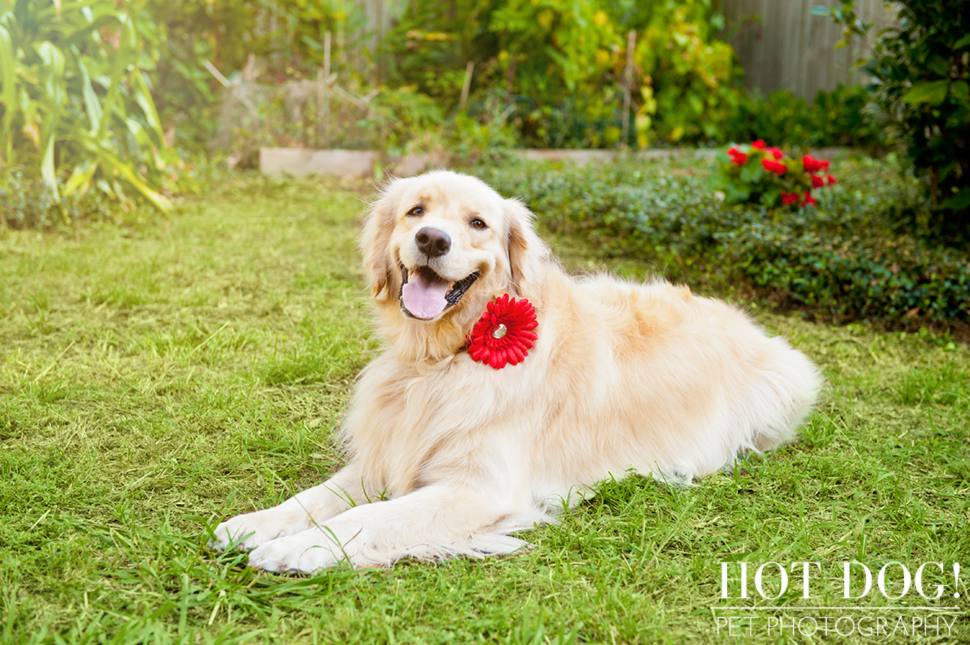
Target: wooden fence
[781, 45]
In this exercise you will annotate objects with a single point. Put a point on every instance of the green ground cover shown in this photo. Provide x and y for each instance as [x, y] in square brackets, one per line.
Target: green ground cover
[155, 379]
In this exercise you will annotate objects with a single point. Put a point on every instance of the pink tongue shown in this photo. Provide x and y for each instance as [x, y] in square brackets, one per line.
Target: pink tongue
[424, 298]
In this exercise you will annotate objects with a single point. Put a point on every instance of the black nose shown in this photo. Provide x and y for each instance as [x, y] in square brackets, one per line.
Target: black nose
[432, 241]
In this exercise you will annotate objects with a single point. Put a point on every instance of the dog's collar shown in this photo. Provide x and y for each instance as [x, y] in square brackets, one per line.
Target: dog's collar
[503, 335]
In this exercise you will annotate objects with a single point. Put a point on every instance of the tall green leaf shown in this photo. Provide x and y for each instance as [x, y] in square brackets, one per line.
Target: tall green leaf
[91, 103]
[8, 76]
[117, 73]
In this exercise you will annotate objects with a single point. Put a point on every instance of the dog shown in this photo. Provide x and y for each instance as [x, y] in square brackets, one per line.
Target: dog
[452, 448]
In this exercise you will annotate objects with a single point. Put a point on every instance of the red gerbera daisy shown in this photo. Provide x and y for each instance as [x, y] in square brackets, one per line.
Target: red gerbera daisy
[504, 332]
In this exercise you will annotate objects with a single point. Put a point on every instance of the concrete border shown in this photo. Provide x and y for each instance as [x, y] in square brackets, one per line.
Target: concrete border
[301, 162]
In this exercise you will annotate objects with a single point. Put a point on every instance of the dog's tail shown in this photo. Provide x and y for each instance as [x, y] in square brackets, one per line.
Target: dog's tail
[783, 397]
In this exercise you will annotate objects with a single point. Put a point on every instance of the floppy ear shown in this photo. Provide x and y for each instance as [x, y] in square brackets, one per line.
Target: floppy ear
[528, 254]
[378, 226]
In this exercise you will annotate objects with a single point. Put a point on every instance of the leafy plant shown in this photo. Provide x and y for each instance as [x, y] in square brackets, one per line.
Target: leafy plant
[29, 203]
[922, 71]
[562, 63]
[837, 118]
[757, 174]
[285, 36]
[686, 75]
[75, 97]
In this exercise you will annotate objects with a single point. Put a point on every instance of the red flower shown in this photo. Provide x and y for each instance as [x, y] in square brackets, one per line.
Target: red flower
[817, 182]
[809, 199]
[789, 198]
[773, 166]
[737, 156]
[811, 164]
[759, 144]
[775, 152]
[504, 332]
[830, 179]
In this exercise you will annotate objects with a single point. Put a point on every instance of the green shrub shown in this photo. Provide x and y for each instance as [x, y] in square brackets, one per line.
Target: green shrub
[844, 258]
[27, 202]
[923, 90]
[837, 118]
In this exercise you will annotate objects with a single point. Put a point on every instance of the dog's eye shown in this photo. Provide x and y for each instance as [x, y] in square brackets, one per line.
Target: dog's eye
[417, 211]
[479, 224]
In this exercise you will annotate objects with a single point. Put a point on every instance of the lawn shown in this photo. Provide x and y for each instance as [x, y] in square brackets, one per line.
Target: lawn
[156, 379]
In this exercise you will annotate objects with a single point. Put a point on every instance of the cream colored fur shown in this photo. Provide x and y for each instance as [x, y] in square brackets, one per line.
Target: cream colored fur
[447, 456]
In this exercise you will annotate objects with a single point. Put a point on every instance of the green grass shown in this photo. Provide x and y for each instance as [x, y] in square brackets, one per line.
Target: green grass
[154, 380]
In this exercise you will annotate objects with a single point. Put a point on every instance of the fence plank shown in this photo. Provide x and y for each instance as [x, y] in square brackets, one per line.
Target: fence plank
[781, 45]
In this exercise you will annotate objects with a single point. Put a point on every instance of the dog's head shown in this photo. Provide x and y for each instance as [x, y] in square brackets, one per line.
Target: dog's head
[439, 246]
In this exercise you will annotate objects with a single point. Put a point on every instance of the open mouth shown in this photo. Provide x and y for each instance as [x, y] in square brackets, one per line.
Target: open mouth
[425, 294]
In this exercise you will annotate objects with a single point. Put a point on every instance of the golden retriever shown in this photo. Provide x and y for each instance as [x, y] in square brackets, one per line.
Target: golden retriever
[448, 456]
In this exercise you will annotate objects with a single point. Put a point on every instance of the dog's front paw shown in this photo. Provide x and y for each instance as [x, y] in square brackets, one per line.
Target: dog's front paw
[253, 529]
[305, 552]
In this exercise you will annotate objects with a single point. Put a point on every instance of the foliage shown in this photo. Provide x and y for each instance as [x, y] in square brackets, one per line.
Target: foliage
[285, 36]
[846, 258]
[75, 96]
[557, 65]
[255, 116]
[485, 137]
[687, 74]
[757, 174]
[922, 71]
[29, 203]
[561, 64]
[837, 118]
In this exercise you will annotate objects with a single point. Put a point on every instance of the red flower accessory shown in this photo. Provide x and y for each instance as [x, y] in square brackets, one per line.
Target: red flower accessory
[774, 166]
[504, 332]
[737, 156]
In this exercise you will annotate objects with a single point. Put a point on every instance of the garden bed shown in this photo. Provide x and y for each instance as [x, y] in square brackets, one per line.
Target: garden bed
[853, 257]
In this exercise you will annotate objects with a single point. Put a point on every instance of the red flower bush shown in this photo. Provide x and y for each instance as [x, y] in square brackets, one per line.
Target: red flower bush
[811, 164]
[504, 332]
[737, 156]
[765, 175]
[774, 166]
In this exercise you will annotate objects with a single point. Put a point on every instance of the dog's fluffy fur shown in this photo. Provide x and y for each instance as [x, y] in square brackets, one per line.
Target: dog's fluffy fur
[448, 456]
